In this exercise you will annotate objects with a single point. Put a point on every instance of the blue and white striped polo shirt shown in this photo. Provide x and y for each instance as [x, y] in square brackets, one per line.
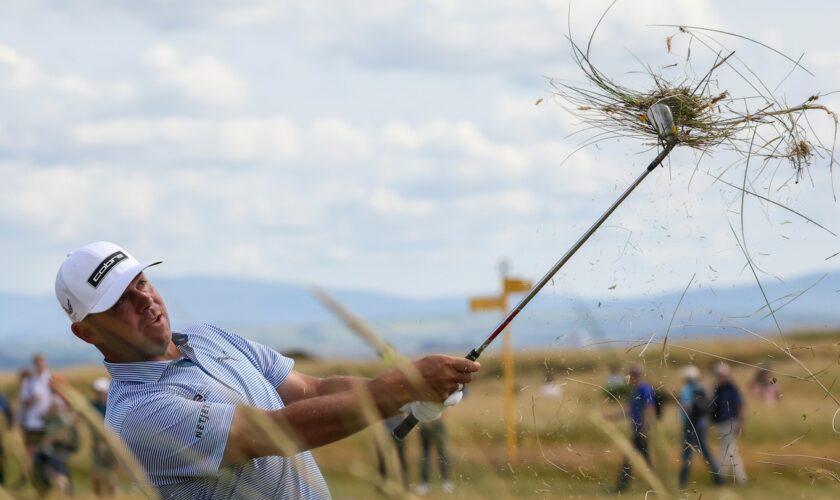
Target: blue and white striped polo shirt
[175, 416]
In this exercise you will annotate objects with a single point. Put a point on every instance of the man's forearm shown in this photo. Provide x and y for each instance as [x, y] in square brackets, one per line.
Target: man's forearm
[333, 416]
[334, 385]
[317, 415]
[315, 421]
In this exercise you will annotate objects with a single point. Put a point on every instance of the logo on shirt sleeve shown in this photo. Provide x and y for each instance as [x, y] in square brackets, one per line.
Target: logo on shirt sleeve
[203, 418]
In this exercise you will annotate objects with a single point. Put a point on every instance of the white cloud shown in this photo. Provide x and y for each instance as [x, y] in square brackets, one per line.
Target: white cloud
[391, 204]
[331, 141]
[21, 73]
[455, 37]
[242, 14]
[471, 155]
[334, 139]
[64, 201]
[203, 79]
[237, 139]
[16, 70]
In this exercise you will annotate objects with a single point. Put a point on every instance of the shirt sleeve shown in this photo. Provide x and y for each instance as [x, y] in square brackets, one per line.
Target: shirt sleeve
[173, 436]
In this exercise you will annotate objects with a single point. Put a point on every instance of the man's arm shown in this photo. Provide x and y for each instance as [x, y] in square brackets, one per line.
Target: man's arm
[299, 386]
[324, 418]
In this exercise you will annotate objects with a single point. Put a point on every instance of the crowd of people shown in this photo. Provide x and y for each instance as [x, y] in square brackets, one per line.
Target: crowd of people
[50, 433]
[700, 410]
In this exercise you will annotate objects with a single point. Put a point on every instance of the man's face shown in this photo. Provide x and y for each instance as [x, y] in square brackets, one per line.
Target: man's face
[136, 327]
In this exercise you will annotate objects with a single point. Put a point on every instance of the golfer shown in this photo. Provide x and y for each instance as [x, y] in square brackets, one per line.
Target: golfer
[210, 414]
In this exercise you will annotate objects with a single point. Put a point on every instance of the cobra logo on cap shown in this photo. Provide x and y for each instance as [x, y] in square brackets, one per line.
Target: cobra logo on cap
[104, 267]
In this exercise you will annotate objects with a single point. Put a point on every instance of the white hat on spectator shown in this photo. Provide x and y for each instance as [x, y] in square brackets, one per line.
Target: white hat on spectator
[690, 372]
[101, 384]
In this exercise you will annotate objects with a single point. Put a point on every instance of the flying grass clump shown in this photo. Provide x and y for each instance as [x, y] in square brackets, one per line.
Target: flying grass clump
[758, 125]
[622, 111]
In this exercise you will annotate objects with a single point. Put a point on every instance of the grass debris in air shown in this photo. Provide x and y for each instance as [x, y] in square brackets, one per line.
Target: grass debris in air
[760, 125]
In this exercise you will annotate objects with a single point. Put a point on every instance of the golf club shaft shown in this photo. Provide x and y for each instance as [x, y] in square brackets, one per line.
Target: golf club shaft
[406, 425]
[475, 353]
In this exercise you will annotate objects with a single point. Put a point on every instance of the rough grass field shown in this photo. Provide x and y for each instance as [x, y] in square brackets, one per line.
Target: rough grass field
[791, 450]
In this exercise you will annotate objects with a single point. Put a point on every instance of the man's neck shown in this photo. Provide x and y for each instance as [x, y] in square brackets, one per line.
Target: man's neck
[172, 352]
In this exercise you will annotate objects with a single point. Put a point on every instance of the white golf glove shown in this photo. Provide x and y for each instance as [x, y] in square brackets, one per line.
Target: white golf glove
[426, 411]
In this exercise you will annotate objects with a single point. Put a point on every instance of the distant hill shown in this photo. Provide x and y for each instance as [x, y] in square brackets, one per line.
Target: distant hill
[286, 317]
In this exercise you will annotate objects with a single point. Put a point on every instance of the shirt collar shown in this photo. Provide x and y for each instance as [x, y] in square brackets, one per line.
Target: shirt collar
[144, 371]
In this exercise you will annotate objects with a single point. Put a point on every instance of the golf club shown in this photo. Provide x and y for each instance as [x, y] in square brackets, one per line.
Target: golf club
[659, 116]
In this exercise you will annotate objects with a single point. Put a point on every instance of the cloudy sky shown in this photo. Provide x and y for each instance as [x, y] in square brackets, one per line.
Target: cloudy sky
[383, 145]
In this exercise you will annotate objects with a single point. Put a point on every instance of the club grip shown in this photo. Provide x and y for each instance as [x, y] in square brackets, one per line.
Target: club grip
[402, 430]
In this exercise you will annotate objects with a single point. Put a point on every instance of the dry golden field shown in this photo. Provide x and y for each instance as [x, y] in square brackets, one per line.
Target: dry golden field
[792, 449]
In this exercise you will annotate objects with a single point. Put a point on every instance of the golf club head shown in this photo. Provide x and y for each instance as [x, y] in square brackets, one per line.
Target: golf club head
[662, 120]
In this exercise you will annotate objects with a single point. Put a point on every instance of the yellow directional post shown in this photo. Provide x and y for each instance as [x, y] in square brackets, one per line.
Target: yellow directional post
[500, 303]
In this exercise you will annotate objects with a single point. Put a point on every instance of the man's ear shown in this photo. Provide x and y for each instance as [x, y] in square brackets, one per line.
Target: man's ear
[84, 331]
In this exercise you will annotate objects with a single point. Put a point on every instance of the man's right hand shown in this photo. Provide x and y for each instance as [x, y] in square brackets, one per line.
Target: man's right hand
[440, 376]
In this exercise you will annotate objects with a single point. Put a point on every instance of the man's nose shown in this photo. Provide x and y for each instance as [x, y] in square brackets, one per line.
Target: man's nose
[143, 300]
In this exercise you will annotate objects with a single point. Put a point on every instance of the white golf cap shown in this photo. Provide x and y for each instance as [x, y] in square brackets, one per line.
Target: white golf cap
[92, 278]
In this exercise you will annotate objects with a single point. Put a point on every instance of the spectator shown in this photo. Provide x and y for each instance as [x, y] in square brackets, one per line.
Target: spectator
[728, 416]
[61, 439]
[433, 434]
[35, 402]
[550, 388]
[764, 385]
[6, 411]
[642, 401]
[695, 419]
[616, 383]
[391, 424]
[103, 461]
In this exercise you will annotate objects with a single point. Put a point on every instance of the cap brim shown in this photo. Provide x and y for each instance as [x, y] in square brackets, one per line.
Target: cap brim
[110, 297]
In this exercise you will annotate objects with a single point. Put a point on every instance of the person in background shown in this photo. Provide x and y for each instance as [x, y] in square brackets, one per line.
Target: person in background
[764, 385]
[35, 402]
[61, 439]
[6, 412]
[102, 473]
[391, 424]
[642, 402]
[695, 419]
[433, 434]
[728, 416]
[550, 388]
[615, 383]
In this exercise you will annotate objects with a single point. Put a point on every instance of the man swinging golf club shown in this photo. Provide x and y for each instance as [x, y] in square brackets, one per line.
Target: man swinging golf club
[210, 414]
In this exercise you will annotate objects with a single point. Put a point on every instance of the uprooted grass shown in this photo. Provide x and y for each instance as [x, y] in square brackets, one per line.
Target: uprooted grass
[706, 116]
